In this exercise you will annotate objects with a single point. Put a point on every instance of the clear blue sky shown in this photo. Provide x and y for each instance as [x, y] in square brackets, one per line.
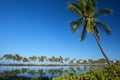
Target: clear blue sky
[41, 27]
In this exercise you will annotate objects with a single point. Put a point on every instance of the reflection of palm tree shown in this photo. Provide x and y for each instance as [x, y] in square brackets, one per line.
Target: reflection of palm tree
[52, 71]
[41, 72]
[79, 69]
[15, 72]
[24, 70]
[32, 72]
[60, 71]
[85, 67]
[86, 9]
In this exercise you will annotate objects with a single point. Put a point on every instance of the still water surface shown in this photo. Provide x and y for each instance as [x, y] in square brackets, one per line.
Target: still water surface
[42, 71]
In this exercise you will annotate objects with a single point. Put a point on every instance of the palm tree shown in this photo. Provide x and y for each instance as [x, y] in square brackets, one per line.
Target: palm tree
[18, 57]
[25, 59]
[78, 62]
[33, 58]
[61, 59]
[42, 58]
[88, 13]
[8, 57]
[67, 59]
[91, 61]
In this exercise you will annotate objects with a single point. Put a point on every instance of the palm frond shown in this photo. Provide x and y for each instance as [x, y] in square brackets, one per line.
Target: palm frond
[82, 4]
[91, 5]
[103, 26]
[74, 8]
[103, 11]
[76, 24]
[83, 35]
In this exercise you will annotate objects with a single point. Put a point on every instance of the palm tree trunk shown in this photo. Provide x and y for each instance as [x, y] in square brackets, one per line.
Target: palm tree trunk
[106, 58]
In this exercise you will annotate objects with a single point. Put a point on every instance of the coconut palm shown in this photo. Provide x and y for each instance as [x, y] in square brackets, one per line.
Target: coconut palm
[88, 13]
[25, 60]
[17, 57]
[78, 62]
[42, 58]
[8, 57]
[33, 58]
[61, 59]
[67, 59]
[91, 61]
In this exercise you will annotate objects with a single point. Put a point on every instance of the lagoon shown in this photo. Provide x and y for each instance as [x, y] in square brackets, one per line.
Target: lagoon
[41, 71]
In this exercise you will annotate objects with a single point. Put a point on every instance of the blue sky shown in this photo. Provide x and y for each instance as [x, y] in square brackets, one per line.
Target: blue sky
[41, 27]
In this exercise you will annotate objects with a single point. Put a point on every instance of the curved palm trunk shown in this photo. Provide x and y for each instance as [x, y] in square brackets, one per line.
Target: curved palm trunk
[106, 58]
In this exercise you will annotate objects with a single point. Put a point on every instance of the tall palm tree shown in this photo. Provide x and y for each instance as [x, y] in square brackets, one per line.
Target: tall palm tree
[88, 13]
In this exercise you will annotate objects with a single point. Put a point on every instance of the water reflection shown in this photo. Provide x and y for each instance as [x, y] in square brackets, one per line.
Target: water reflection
[27, 72]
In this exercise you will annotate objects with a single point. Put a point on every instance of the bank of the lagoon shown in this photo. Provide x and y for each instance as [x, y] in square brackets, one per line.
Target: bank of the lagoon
[100, 64]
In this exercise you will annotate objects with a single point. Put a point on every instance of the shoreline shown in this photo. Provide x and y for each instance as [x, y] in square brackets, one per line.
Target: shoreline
[53, 64]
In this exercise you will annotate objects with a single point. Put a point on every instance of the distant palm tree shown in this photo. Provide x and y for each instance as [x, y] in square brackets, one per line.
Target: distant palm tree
[91, 61]
[67, 59]
[24, 59]
[18, 57]
[88, 12]
[61, 59]
[33, 58]
[42, 58]
[8, 57]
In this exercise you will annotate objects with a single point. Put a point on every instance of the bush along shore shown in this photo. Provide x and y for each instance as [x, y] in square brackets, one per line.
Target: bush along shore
[111, 72]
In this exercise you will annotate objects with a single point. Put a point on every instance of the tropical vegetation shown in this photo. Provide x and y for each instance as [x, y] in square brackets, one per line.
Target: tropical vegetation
[16, 59]
[111, 72]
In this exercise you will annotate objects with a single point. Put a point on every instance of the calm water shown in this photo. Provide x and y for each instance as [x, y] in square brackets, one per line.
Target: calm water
[42, 71]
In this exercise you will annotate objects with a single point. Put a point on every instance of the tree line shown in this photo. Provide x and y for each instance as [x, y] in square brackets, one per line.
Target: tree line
[37, 60]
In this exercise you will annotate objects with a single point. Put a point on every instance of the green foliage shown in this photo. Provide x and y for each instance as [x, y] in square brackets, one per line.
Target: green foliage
[111, 72]
[101, 60]
[88, 12]
[35, 79]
